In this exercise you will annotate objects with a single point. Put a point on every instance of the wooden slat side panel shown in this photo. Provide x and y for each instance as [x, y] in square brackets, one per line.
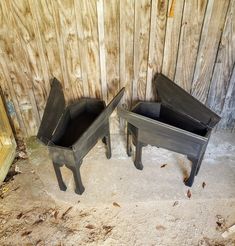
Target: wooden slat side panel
[111, 25]
[141, 41]
[156, 43]
[90, 29]
[210, 37]
[224, 63]
[173, 27]
[193, 17]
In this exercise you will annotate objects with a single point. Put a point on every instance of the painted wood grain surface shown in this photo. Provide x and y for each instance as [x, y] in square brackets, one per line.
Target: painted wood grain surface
[95, 47]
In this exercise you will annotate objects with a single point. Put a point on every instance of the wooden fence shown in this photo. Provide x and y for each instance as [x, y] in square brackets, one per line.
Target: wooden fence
[95, 47]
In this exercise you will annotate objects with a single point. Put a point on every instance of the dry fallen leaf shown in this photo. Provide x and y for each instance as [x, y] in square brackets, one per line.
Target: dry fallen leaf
[38, 221]
[160, 227]
[189, 194]
[116, 204]
[89, 226]
[16, 188]
[65, 213]
[203, 185]
[163, 165]
[39, 241]
[26, 233]
[175, 203]
[56, 214]
[19, 215]
[107, 229]
[83, 214]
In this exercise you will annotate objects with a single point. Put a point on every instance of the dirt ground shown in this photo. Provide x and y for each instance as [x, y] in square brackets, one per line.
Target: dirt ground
[121, 205]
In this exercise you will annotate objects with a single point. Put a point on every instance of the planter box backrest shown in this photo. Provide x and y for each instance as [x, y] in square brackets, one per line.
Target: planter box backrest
[54, 109]
[178, 99]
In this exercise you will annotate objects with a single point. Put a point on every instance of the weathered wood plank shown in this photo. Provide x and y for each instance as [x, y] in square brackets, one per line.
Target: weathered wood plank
[156, 43]
[38, 38]
[6, 134]
[224, 63]
[126, 48]
[228, 112]
[82, 47]
[68, 33]
[111, 28]
[45, 23]
[173, 28]
[13, 110]
[100, 16]
[90, 29]
[141, 41]
[193, 17]
[24, 27]
[68, 89]
[210, 37]
[14, 62]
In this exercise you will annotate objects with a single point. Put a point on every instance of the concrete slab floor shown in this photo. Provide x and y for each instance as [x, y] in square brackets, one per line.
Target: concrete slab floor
[122, 205]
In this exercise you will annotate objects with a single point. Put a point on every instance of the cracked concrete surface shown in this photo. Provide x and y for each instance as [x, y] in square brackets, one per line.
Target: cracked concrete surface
[122, 205]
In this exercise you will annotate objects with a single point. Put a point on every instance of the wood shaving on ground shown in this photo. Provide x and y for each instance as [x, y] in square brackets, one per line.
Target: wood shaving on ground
[115, 204]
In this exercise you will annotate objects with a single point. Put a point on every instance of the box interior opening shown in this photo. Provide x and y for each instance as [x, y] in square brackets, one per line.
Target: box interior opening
[74, 123]
[164, 114]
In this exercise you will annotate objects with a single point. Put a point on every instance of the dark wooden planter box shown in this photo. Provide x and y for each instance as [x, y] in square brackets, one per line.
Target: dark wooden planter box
[71, 131]
[178, 123]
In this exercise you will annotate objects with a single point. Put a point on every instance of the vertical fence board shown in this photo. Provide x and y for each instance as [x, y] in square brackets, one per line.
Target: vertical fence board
[210, 37]
[189, 40]
[82, 47]
[43, 11]
[100, 16]
[141, 41]
[228, 112]
[224, 63]
[90, 28]
[156, 43]
[173, 27]
[111, 25]
[32, 66]
[14, 63]
[68, 32]
[13, 111]
[126, 48]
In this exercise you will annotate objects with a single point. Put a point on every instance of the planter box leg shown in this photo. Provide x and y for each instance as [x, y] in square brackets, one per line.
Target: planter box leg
[59, 177]
[77, 178]
[138, 155]
[106, 140]
[128, 143]
[190, 180]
